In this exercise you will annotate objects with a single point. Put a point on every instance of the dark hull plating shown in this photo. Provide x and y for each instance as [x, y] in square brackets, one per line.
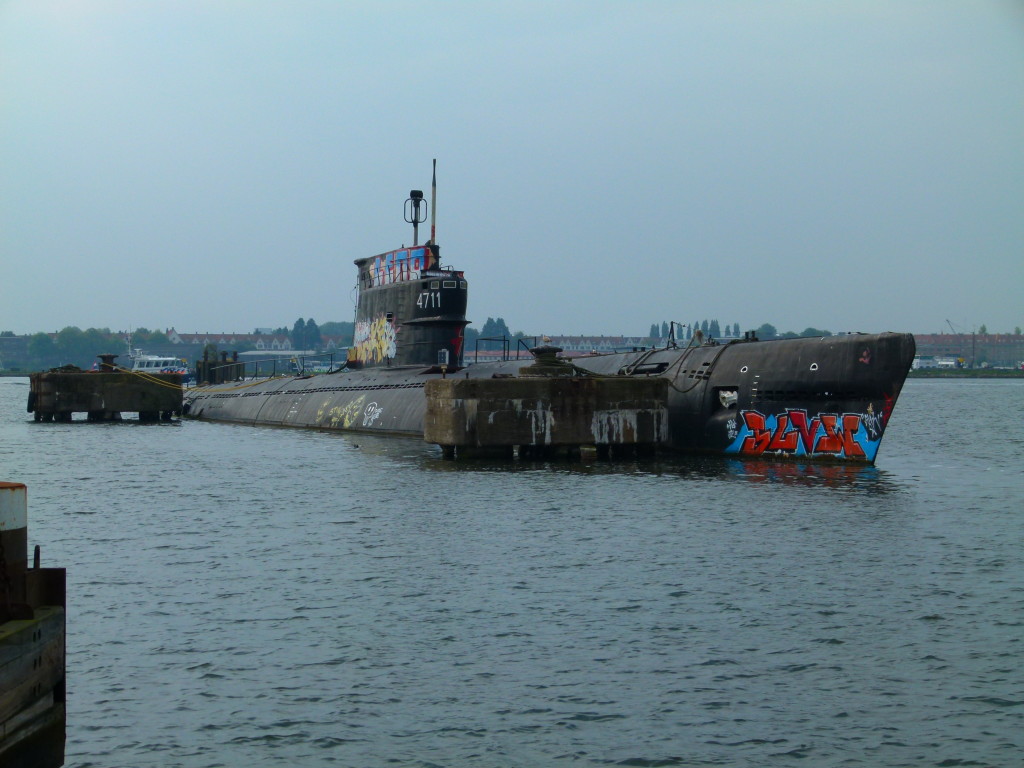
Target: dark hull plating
[823, 398]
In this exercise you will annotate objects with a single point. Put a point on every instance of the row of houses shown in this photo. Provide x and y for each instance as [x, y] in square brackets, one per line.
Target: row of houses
[991, 349]
[582, 345]
[271, 342]
[1001, 350]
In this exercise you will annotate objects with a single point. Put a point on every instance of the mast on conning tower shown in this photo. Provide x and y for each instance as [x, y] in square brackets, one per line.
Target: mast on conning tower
[415, 213]
[433, 206]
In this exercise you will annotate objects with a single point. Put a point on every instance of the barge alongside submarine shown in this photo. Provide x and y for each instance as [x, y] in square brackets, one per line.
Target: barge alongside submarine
[816, 398]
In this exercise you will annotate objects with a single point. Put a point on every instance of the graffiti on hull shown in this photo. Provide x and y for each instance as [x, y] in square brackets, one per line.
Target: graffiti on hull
[853, 436]
[340, 416]
[374, 341]
[371, 413]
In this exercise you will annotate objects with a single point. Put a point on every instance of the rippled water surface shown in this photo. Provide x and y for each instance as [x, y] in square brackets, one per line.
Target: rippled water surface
[259, 597]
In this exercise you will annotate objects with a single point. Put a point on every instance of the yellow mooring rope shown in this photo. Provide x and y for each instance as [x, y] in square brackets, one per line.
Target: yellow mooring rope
[148, 377]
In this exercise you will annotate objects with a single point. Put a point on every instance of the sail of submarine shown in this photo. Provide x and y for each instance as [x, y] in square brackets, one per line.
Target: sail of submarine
[827, 398]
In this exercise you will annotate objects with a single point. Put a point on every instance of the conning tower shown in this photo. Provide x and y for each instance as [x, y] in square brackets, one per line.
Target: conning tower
[411, 310]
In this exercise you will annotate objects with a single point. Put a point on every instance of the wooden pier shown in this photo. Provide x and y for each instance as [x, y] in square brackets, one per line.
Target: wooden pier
[32, 669]
[58, 394]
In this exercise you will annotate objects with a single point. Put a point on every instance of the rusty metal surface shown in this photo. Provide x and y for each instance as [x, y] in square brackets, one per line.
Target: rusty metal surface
[547, 411]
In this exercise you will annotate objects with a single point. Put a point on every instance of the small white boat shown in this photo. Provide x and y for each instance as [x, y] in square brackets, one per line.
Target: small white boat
[159, 364]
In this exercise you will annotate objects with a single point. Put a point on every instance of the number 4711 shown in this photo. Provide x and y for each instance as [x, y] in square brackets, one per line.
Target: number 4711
[429, 300]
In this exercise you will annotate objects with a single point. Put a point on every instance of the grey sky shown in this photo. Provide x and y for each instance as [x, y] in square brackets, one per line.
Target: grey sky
[217, 165]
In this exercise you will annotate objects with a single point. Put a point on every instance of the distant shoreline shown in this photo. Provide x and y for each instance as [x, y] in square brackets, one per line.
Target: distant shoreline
[965, 373]
[916, 373]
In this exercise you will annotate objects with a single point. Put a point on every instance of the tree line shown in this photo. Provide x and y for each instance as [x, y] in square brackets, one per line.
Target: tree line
[77, 347]
[711, 329]
[74, 346]
[490, 335]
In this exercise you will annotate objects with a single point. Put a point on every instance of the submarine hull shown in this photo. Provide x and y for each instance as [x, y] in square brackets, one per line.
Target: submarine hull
[823, 398]
[820, 398]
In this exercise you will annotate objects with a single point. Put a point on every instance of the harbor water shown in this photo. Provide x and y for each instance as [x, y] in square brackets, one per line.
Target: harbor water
[243, 596]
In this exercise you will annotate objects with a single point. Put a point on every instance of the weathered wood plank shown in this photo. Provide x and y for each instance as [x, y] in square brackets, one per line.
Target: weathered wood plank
[31, 660]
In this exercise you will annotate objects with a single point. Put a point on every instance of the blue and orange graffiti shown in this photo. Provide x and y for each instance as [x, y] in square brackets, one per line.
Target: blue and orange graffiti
[854, 436]
[395, 266]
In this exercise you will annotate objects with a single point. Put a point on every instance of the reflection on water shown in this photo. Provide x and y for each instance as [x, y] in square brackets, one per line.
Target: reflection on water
[851, 477]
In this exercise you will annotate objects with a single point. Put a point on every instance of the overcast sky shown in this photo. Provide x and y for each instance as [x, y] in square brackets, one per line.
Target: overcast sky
[217, 165]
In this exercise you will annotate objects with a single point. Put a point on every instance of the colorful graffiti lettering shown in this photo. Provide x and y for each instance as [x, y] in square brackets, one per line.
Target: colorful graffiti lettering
[848, 436]
[340, 416]
[374, 341]
[394, 266]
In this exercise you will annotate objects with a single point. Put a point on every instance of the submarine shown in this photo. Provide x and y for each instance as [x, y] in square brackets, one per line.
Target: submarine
[828, 398]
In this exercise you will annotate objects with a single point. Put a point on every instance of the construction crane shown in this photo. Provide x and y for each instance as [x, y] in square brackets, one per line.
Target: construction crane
[961, 333]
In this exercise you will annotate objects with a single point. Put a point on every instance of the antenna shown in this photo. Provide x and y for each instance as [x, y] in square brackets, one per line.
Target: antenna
[415, 213]
[433, 206]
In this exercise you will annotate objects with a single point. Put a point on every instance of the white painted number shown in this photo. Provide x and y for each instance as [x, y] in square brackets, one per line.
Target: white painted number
[429, 300]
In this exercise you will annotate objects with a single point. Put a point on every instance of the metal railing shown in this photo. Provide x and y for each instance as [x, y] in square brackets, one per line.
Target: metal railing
[272, 367]
[506, 345]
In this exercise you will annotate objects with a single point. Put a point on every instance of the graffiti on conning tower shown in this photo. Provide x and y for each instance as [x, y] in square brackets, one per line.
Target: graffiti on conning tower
[374, 340]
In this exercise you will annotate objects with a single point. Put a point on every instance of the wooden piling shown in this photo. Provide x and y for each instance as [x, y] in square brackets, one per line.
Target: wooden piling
[32, 643]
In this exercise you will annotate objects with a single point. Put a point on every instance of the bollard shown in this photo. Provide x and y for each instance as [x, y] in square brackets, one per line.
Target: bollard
[13, 549]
